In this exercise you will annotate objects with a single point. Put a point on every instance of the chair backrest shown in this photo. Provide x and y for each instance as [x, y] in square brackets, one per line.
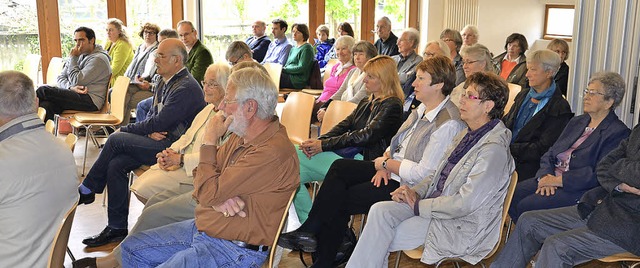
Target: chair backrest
[327, 69]
[49, 126]
[315, 79]
[118, 95]
[60, 240]
[272, 250]
[42, 113]
[623, 257]
[505, 210]
[296, 116]
[55, 68]
[71, 140]
[336, 112]
[31, 67]
[514, 89]
[274, 70]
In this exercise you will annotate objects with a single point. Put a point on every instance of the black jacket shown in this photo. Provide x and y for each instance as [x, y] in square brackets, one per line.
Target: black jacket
[371, 126]
[537, 135]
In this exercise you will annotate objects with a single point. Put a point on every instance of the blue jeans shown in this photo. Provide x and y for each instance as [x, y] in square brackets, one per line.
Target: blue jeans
[122, 153]
[142, 109]
[181, 245]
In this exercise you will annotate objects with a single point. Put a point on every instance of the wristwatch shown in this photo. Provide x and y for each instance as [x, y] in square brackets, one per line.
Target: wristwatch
[181, 160]
[384, 163]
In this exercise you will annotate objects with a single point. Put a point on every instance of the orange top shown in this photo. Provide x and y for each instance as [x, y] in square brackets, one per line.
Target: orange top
[506, 68]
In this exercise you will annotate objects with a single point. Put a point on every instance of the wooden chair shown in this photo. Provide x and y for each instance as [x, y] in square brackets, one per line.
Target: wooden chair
[55, 68]
[31, 67]
[274, 70]
[60, 240]
[114, 118]
[327, 69]
[514, 89]
[296, 116]
[71, 140]
[417, 253]
[623, 257]
[42, 113]
[50, 127]
[336, 112]
[274, 245]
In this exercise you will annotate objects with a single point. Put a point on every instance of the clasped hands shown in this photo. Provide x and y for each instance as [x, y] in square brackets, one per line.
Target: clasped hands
[548, 184]
[168, 159]
[404, 194]
[311, 147]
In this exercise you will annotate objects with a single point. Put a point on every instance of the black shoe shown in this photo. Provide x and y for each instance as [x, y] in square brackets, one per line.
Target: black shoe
[298, 240]
[85, 263]
[107, 236]
[86, 198]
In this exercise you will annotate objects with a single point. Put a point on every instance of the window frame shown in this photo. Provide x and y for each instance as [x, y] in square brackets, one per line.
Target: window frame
[551, 36]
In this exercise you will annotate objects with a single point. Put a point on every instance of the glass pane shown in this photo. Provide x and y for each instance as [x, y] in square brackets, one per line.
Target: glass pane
[76, 13]
[338, 11]
[233, 19]
[140, 12]
[18, 33]
[395, 10]
[560, 21]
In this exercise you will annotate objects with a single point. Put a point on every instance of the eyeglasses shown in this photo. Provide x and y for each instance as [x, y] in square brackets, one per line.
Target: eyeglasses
[428, 54]
[149, 32]
[591, 92]
[209, 84]
[234, 62]
[185, 34]
[469, 62]
[472, 97]
[227, 102]
[161, 56]
[447, 40]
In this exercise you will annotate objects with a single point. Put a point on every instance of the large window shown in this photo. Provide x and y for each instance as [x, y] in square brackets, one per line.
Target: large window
[395, 10]
[233, 18]
[140, 12]
[18, 33]
[76, 13]
[338, 11]
[558, 22]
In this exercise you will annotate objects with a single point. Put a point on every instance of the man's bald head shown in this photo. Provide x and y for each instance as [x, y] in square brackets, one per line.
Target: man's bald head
[17, 96]
[171, 57]
[258, 28]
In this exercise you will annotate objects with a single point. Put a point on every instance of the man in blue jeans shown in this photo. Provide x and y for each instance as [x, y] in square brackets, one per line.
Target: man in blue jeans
[177, 100]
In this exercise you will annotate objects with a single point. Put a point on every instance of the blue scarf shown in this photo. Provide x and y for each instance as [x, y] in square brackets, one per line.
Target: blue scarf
[529, 108]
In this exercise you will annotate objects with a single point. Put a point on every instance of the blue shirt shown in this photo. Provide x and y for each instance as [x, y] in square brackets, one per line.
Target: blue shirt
[278, 51]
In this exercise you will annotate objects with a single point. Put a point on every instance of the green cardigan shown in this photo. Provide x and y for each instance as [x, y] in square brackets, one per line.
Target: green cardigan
[298, 65]
[121, 54]
[199, 60]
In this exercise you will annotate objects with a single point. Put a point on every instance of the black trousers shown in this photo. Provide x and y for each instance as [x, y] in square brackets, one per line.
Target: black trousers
[346, 190]
[55, 100]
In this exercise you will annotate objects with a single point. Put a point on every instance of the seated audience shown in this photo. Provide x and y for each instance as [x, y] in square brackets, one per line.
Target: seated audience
[538, 115]
[238, 51]
[568, 168]
[38, 175]
[322, 45]
[177, 101]
[338, 72]
[436, 47]
[512, 64]
[387, 43]
[119, 48]
[175, 165]
[344, 28]
[603, 223]
[83, 83]
[475, 58]
[370, 128]
[562, 77]
[259, 42]
[141, 70]
[408, 59]
[199, 56]
[470, 35]
[235, 186]
[278, 51]
[455, 212]
[296, 72]
[353, 88]
[454, 41]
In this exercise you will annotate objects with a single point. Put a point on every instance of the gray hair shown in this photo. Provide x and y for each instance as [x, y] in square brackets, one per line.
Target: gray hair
[17, 96]
[549, 60]
[237, 49]
[481, 52]
[442, 45]
[614, 86]
[187, 23]
[453, 34]
[386, 20]
[223, 71]
[169, 33]
[182, 52]
[254, 84]
[471, 28]
[363, 46]
[414, 36]
[346, 41]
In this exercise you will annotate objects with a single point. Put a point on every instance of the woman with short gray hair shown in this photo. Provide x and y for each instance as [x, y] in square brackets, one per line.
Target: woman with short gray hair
[475, 58]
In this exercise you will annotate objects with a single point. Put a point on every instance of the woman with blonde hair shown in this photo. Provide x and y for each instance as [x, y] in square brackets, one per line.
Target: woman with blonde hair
[376, 119]
[119, 48]
[562, 77]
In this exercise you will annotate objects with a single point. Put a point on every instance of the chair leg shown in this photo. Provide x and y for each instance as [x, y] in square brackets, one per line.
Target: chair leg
[104, 197]
[71, 255]
[56, 119]
[363, 220]
[86, 145]
[398, 258]
[506, 236]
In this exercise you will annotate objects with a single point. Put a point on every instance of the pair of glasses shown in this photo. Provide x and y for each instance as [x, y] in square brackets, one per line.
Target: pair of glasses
[469, 62]
[227, 102]
[233, 63]
[592, 92]
[149, 32]
[447, 40]
[185, 34]
[428, 54]
[161, 56]
[209, 84]
[472, 97]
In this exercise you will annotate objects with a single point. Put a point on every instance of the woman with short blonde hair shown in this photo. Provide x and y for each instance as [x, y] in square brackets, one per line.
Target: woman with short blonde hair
[119, 48]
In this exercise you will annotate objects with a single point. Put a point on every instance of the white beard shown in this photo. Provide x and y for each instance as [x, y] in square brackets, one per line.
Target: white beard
[239, 124]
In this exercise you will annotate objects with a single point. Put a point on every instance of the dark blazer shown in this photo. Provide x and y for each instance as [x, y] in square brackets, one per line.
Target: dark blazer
[616, 218]
[371, 125]
[259, 46]
[517, 75]
[562, 78]
[388, 47]
[537, 135]
[199, 60]
[581, 175]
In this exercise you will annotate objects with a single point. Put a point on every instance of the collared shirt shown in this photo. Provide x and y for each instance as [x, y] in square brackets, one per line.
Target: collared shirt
[263, 173]
[278, 52]
[388, 47]
[407, 65]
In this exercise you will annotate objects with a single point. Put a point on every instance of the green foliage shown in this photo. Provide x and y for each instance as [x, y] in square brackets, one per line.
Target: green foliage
[394, 8]
[288, 10]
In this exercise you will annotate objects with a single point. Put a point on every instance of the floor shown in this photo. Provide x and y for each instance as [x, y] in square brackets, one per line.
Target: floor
[91, 219]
